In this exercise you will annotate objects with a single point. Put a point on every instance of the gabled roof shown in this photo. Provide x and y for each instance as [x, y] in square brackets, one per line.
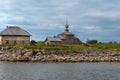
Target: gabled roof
[53, 39]
[14, 31]
[61, 37]
[66, 33]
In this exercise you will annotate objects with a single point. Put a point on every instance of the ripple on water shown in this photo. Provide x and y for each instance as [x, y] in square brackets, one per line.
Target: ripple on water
[59, 71]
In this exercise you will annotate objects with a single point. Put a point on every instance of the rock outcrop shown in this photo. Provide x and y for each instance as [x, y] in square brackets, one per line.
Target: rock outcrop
[57, 55]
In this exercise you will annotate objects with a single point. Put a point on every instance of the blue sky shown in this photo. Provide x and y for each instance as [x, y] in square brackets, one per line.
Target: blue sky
[87, 19]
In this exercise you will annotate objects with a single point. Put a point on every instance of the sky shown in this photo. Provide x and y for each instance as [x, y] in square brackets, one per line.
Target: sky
[87, 19]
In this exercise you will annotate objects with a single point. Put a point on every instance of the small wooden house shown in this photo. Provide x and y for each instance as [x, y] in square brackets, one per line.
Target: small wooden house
[53, 41]
[14, 35]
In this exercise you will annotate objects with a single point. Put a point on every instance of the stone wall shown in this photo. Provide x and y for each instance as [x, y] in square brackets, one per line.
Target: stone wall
[15, 40]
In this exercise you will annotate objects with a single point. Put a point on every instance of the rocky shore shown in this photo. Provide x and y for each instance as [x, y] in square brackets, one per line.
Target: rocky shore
[15, 54]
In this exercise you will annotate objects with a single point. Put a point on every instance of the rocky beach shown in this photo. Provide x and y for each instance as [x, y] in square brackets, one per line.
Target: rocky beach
[19, 54]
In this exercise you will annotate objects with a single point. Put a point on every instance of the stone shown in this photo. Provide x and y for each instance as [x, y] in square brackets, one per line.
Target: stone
[23, 58]
[1, 52]
[28, 53]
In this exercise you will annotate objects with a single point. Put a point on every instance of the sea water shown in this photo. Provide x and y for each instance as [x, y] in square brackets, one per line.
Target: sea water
[59, 71]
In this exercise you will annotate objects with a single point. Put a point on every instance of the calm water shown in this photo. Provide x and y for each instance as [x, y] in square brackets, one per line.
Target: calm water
[59, 71]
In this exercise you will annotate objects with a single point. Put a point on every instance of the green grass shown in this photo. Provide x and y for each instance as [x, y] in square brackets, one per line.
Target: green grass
[107, 45]
[74, 47]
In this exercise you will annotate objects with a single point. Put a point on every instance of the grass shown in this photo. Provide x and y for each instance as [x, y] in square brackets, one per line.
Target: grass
[73, 47]
[106, 45]
[76, 47]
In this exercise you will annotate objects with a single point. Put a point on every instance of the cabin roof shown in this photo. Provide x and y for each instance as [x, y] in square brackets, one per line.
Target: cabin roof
[14, 30]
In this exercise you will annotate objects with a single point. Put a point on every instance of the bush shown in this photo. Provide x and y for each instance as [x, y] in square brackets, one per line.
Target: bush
[79, 41]
[33, 42]
[92, 41]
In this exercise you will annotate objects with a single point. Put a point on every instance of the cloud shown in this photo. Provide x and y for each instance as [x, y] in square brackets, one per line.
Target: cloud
[87, 18]
[110, 15]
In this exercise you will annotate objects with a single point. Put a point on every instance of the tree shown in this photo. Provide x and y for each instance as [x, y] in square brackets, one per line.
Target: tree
[92, 41]
[33, 42]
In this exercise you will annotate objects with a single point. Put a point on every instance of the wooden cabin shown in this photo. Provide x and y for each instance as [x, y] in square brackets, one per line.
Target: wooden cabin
[14, 35]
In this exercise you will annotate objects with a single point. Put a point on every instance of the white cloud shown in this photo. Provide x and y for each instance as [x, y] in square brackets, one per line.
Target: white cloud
[85, 16]
[112, 15]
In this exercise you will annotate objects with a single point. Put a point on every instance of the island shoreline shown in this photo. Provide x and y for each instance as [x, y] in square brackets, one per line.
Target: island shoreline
[18, 54]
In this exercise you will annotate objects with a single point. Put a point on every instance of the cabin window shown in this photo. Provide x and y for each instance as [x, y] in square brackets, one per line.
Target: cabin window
[23, 42]
[15, 41]
[7, 41]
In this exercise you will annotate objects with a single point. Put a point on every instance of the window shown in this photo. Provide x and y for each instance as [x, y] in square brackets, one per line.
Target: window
[23, 42]
[15, 41]
[7, 41]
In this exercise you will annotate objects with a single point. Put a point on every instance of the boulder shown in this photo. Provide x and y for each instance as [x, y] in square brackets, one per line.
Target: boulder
[23, 58]
[30, 53]
[1, 52]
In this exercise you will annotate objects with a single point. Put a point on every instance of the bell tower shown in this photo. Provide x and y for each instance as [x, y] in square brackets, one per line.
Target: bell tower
[66, 27]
